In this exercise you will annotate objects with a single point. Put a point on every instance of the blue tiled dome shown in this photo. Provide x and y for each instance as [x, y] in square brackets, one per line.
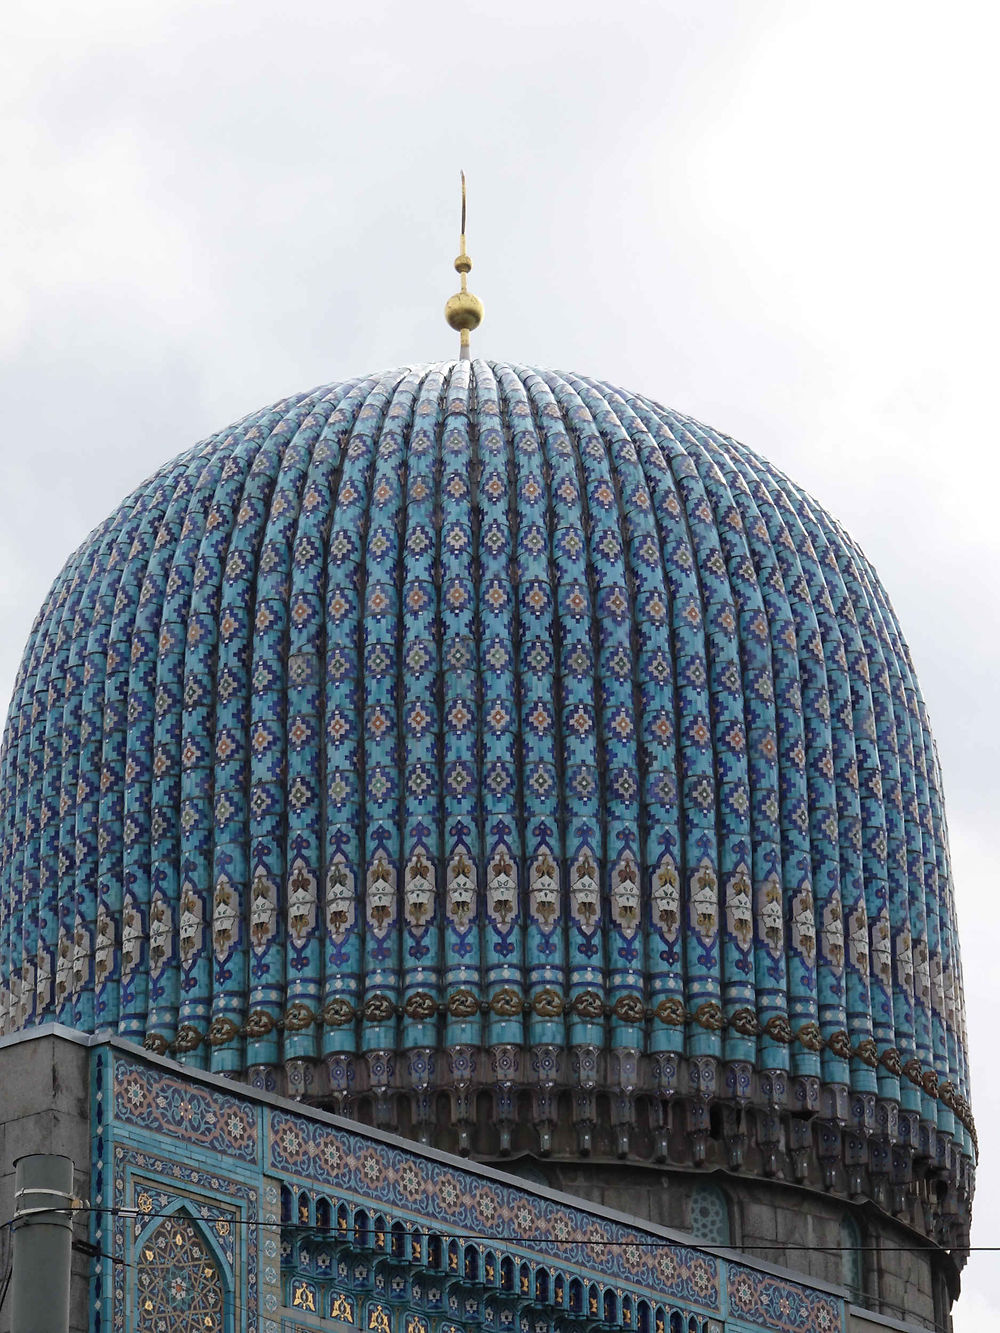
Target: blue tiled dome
[472, 727]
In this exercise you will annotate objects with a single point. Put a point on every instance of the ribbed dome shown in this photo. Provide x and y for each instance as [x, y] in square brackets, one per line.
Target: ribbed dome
[475, 727]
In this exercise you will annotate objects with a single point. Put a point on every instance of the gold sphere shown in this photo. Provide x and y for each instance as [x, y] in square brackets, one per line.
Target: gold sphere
[464, 312]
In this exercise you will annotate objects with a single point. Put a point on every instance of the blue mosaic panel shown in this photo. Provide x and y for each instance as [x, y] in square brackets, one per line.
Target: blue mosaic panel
[784, 1307]
[224, 1210]
[369, 1230]
[145, 1098]
[375, 1176]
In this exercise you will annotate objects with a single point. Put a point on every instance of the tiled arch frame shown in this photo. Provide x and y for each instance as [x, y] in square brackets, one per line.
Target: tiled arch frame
[188, 1276]
[147, 1184]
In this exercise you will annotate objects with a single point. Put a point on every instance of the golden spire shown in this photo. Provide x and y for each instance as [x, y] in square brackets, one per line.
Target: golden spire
[464, 311]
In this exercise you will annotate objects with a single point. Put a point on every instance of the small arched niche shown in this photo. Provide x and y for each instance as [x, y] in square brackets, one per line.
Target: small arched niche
[709, 1215]
[181, 1281]
[851, 1257]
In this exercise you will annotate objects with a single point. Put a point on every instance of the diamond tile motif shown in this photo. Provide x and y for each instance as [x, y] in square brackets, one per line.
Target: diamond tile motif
[483, 616]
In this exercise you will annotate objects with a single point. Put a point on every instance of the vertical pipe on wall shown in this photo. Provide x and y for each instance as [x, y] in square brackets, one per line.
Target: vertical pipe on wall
[43, 1237]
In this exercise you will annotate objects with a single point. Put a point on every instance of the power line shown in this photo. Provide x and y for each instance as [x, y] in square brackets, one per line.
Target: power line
[238, 1306]
[649, 1242]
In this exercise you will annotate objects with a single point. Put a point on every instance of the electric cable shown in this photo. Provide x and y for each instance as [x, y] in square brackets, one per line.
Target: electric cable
[650, 1242]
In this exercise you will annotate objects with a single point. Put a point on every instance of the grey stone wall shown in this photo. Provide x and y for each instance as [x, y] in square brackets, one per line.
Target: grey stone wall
[45, 1108]
[791, 1227]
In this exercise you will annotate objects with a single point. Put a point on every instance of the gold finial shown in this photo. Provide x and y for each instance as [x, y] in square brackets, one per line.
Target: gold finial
[464, 311]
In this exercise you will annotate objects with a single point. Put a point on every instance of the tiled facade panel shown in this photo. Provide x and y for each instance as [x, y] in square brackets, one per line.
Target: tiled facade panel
[225, 1213]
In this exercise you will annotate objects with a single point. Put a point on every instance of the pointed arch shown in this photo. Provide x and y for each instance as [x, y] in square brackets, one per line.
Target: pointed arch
[182, 1276]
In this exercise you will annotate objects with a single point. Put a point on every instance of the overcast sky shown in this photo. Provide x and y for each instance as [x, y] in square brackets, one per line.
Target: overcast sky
[778, 217]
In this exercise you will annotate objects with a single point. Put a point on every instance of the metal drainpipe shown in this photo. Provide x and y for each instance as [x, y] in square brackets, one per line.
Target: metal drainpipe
[43, 1238]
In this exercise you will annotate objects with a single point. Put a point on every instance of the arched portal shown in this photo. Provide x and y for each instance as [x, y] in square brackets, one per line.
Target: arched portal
[180, 1284]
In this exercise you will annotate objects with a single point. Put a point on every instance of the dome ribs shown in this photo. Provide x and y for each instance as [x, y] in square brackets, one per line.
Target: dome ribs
[884, 843]
[604, 823]
[887, 641]
[924, 846]
[162, 959]
[784, 920]
[773, 693]
[356, 424]
[425, 594]
[277, 935]
[29, 832]
[632, 616]
[748, 750]
[844, 760]
[383, 798]
[123, 811]
[16, 767]
[53, 862]
[216, 638]
[310, 852]
[474, 666]
[632, 604]
[100, 780]
[470, 407]
[512, 499]
[28, 870]
[17, 821]
[140, 647]
[914, 849]
[481, 737]
[795, 641]
[482, 1007]
[858, 777]
[541, 570]
[35, 890]
[676, 495]
[69, 784]
[656, 757]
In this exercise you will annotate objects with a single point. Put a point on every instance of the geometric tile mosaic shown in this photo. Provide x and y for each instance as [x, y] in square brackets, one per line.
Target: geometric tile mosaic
[166, 1184]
